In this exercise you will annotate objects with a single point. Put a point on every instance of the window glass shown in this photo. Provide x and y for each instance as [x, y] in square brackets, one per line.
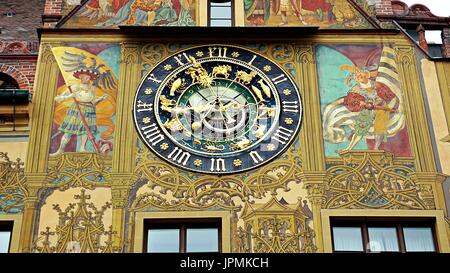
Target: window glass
[383, 239]
[347, 239]
[418, 239]
[220, 14]
[4, 241]
[221, 23]
[202, 240]
[163, 240]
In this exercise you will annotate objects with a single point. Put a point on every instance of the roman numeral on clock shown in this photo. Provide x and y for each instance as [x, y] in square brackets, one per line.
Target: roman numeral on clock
[251, 61]
[217, 164]
[153, 78]
[256, 157]
[282, 135]
[142, 106]
[179, 57]
[221, 51]
[290, 106]
[179, 155]
[152, 134]
[279, 79]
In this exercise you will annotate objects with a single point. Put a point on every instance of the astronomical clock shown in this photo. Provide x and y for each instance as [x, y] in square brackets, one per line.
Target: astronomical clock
[217, 109]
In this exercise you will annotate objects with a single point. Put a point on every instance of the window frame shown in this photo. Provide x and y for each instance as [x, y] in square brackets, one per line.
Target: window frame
[233, 21]
[8, 225]
[387, 222]
[183, 224]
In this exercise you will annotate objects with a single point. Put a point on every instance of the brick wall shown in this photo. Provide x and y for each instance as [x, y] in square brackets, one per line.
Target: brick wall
[53, 11]
[384, 7]
[24, 19]
[22, 71]
[446, 42]
[53, 7]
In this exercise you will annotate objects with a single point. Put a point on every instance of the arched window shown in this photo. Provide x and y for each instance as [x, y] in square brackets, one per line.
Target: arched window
[220, 13]
[8, 82]
[13, 105]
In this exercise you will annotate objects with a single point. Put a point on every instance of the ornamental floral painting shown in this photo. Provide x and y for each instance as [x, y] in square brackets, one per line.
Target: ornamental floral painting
[114, 13]
[361, 99]
[85, 104]
[322, 13]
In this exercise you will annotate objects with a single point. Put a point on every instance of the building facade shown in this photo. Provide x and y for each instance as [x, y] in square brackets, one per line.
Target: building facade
[250, 126]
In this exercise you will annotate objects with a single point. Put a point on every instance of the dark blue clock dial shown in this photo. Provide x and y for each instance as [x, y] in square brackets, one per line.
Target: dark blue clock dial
[217, 109]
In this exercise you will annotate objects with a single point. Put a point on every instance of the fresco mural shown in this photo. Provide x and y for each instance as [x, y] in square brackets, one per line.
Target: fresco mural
[113, 13]
[323, 13]
[85, 107]
[368, 6]
[361, 100]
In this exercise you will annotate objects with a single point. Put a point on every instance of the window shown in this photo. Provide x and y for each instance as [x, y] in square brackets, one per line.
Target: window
[383, 235]
[5, 235]
[182, 235]
[14, 103]
[220, 13]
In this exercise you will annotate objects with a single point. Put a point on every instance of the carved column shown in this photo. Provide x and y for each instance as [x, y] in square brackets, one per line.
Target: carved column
[39, 143]
[34, 184]
[311, 133]
[42, 111]
[123, 164]
[431, 189]
[120, 190]
[314, 183]
[416, 116]
[125, 133]
[314, 167]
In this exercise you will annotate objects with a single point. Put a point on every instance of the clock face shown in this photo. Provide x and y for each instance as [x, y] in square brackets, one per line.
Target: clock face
[217, 109]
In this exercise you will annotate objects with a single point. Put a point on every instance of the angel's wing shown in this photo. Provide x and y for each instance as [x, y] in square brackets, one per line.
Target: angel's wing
[105, 80]
[73, 62]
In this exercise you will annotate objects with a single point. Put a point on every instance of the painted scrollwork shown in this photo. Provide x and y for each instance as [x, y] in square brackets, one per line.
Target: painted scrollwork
[78, 170]
[157, 201]
[276, 227]
[13, 189]
[371, 180]
[204, 189]
[80, 229]
[284, 54]
[151, 54]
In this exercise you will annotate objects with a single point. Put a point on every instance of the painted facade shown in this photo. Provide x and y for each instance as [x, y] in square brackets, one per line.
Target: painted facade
[368, 145]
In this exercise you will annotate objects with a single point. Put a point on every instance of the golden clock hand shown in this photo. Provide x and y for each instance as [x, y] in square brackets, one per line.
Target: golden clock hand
[215, 94]
[224, 119]
[223, 109]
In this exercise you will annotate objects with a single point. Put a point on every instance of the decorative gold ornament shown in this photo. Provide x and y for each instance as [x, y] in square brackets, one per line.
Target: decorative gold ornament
[276, 227]
[79, 229]
[146, 120]
[78, 170]
[287, 92]
[13, 188]
[164, 146]
[288, 121]
[270, 147]
[369, 180]
[237, 162]
[198, 162]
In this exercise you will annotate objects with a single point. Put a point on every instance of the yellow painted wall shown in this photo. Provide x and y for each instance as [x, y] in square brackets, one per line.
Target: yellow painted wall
[14, 149]
[435, 102]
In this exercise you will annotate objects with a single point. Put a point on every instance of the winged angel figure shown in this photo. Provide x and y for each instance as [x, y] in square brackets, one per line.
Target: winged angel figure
[89, 76]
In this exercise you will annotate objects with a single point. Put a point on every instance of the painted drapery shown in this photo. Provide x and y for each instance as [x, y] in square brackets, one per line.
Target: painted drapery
[361, 99]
